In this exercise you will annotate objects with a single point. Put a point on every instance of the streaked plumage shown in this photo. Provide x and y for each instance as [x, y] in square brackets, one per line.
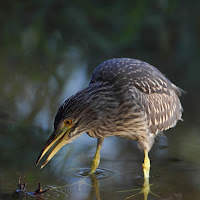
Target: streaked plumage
[127, 98]
[155, 97]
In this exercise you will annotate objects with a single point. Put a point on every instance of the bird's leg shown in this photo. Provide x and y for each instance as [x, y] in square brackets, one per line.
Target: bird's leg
[146, 164]
[96, 160]
[146, 186]
[145, 190]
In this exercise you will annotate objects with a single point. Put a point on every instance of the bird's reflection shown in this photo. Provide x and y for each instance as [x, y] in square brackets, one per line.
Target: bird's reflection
[95, 184]
[145, 190]
[88, 185]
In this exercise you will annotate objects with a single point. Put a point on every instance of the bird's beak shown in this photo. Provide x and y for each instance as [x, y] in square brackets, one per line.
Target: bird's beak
[59, 138]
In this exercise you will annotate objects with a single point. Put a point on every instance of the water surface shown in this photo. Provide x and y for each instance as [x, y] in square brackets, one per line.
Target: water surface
[174, 174]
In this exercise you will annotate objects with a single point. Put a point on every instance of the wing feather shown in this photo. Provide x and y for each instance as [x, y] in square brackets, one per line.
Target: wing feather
[159, 95]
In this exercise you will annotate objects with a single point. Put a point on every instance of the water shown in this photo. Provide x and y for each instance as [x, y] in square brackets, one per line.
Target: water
[28, 104]
[174, 175]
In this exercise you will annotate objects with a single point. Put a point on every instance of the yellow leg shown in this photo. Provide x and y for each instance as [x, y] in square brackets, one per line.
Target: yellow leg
[146, 186]
[96, 160]
[146, 165]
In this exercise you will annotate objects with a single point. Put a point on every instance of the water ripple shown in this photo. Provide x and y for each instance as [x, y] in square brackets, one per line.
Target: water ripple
[85, 172]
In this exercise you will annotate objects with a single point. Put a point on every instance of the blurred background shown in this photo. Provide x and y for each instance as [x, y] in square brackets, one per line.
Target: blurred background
[48, 51]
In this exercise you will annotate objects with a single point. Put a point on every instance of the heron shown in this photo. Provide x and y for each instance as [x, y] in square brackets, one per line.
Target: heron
[127, 98]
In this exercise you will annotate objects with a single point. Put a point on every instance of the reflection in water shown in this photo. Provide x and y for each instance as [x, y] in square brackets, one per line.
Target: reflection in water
[95, 185]
[84, 181]
[84, 178]
[171, 178]
[100, 174]
[145, 190]
[84, 175]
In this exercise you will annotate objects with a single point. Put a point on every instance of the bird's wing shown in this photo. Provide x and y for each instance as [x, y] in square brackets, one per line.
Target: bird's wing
[122, 72]
[163, 111]
[158, 94]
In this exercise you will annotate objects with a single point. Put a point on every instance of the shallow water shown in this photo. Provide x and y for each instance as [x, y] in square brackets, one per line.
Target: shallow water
[174, 175]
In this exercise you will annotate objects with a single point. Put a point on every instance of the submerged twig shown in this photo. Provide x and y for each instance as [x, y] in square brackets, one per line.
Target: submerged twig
[21, 190]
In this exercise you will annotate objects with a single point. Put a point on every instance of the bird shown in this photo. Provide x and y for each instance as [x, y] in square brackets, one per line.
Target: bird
[126, 97]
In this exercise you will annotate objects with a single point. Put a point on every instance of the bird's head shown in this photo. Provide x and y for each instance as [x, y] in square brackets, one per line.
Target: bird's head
[72, 119]
[88, 110]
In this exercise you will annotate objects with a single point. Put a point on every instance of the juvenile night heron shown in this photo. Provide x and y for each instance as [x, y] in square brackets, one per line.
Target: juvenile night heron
[126, 97]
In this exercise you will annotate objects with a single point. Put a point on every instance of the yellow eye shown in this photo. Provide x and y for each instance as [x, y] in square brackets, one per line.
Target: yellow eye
[68, 122]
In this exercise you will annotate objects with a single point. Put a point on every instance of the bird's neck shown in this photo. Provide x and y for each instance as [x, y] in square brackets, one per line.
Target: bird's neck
[93, 102]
